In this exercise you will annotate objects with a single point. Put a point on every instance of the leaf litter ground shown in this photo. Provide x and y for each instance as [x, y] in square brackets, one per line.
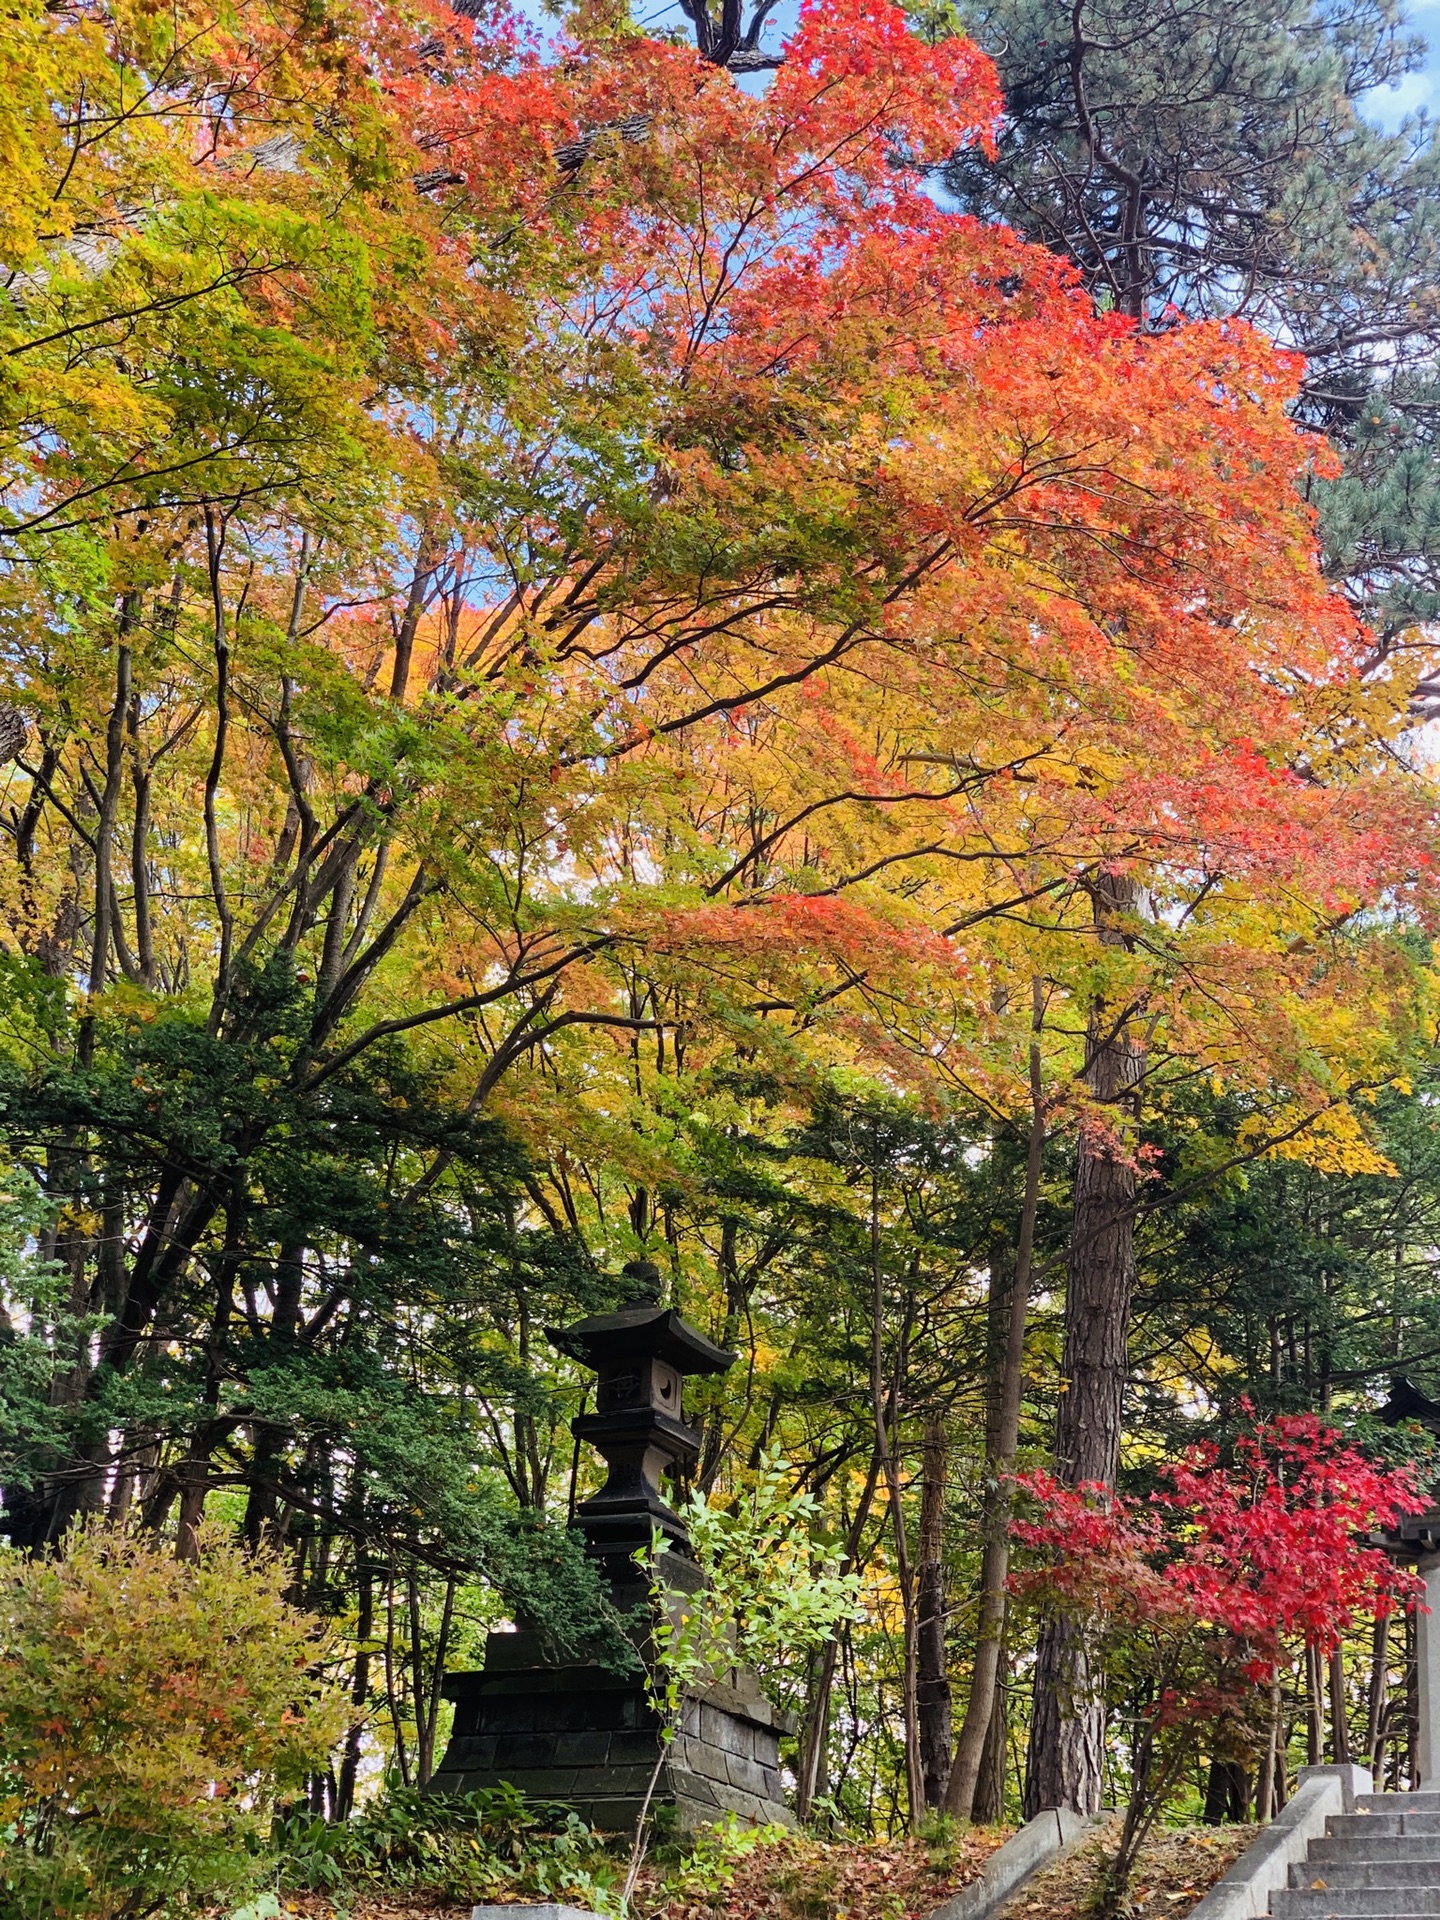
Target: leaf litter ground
[802, 1879]
[793, 1878]
[1177, 1867]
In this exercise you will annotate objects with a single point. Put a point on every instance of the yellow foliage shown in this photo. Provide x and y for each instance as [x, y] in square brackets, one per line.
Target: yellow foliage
[1333, 1141]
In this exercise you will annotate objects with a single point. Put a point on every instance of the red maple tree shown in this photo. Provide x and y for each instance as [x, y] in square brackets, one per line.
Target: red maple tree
[1186, 1606]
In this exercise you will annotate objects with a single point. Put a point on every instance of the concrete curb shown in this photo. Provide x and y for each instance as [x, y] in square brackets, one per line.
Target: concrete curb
[1035, 1845]
[551, 1911]
[1244, 1893]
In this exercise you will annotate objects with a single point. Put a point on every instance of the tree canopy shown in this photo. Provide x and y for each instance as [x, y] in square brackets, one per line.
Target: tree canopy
[590, 669]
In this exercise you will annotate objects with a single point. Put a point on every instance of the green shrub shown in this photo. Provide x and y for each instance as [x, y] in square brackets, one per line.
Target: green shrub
[461, 1847]
[150, 1711]
[703, 1866]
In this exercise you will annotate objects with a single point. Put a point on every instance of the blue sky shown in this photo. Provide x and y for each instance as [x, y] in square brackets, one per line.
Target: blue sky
[1420, 89]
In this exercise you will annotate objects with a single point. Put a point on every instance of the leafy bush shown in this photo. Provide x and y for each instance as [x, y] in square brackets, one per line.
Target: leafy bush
[456, 1846]
[150, 1710]
[772, 1591]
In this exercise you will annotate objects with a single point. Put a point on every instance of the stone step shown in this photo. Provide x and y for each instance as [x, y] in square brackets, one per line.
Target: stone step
[1353, 1903]
[1365, 1847]
[1345, 1826]
[1305, 1875]
[1425, 1801]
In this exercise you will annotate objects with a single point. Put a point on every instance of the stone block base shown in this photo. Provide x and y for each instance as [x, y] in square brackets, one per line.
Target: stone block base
[590, 1740]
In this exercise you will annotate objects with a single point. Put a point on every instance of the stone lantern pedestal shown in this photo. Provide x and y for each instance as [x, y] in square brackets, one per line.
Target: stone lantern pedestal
[579, 1733]
[589, 1738]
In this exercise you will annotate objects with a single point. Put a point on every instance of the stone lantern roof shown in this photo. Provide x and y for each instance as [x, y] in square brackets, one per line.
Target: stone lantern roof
[1407, 1402]
[610, 1340]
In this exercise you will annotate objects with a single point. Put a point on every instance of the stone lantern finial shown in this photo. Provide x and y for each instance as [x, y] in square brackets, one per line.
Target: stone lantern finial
[646, 1284]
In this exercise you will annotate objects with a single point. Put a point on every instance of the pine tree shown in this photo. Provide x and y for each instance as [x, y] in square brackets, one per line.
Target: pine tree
[1217, 159]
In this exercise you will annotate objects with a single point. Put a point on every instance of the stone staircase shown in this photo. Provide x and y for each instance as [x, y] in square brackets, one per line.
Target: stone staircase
[1381, 1862]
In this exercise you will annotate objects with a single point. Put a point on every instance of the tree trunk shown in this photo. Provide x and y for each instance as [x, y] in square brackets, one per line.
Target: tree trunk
[1315, 1705]
[987, 1809]
[1067, 1728]
[408, 626]
[886, 1442]
[813, 1767]
[359, 1691]
[1227, 1795]
[1412, 1700]
[813, 1780]
[1379, 1683]
[1009, 1305]
[1339, 1712]
[1377, 1692]
[1274, 1758]
[429, 1676]
[262, 1504]
[103, 925]
[194, 1480]
[932, 1678]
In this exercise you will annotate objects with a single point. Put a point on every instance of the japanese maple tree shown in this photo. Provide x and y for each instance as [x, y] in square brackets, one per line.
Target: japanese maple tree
[1186, 1605]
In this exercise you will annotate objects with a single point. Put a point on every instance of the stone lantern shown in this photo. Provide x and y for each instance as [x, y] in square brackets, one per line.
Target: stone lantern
[583, 1734]
[642, 1355]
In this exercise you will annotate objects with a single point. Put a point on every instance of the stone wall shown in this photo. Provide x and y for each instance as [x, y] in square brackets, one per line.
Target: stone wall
[727, 1759]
